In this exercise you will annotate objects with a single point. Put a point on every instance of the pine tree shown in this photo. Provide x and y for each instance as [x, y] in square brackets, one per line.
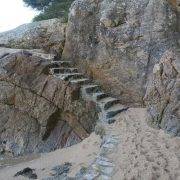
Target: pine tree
[50, 8]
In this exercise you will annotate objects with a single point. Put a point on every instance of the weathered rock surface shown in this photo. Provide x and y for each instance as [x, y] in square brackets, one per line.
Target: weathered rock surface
[132, 48]
[39, 112]
[120, 41]
[163, 94]
[126, 45]
[48, 35]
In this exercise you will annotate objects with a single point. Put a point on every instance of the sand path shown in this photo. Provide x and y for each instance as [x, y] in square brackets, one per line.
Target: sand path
[144, 153]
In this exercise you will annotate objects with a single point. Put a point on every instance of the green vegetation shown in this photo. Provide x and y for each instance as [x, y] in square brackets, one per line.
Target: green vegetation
[50, 8]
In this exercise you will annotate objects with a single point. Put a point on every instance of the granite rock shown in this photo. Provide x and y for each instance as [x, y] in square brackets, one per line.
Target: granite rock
[119, 42]
[39, 113]
[163, 94]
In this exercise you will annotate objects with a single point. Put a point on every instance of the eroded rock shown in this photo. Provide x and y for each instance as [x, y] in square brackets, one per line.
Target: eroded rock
[163, 94]
[39, 112]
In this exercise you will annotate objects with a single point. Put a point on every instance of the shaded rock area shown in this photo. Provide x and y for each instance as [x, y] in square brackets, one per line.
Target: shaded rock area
[39, 113]
[48, 35]
[27, 172]
[119, 42]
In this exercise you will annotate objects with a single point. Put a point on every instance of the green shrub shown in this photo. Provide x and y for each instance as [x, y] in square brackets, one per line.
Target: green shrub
[50, 9]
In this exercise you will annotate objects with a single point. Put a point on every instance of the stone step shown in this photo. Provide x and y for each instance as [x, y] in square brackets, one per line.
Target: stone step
[80, 81]
[91, 88]
[103, 161]
[100, 95]
[63, 70]
[70, 76]
[107, 102]
[110, 120]
[56, 64]
[115, 110]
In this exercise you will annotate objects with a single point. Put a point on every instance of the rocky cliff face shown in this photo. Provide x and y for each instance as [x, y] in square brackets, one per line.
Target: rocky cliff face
[163, 92]
[120, 41]
[39, 113]
[48, 35]
[130, 47]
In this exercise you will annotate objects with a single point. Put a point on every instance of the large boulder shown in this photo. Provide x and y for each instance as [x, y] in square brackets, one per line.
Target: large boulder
[48, 35]
[39, 113]
[119, 42]
[163, 94]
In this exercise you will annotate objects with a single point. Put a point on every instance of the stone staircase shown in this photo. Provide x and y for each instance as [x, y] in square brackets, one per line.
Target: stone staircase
[102, 167]
[109, 107]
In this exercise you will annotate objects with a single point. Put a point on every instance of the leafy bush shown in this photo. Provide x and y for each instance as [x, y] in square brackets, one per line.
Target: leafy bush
[50, 8]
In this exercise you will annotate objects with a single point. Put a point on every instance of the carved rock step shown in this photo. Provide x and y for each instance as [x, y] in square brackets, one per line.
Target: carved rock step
[80, 81]
[114, 110]
[110, 120]
[70, 76]
[91, 88]
[63, 70]
[107, 102]
[56, 64]
[100, 95]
